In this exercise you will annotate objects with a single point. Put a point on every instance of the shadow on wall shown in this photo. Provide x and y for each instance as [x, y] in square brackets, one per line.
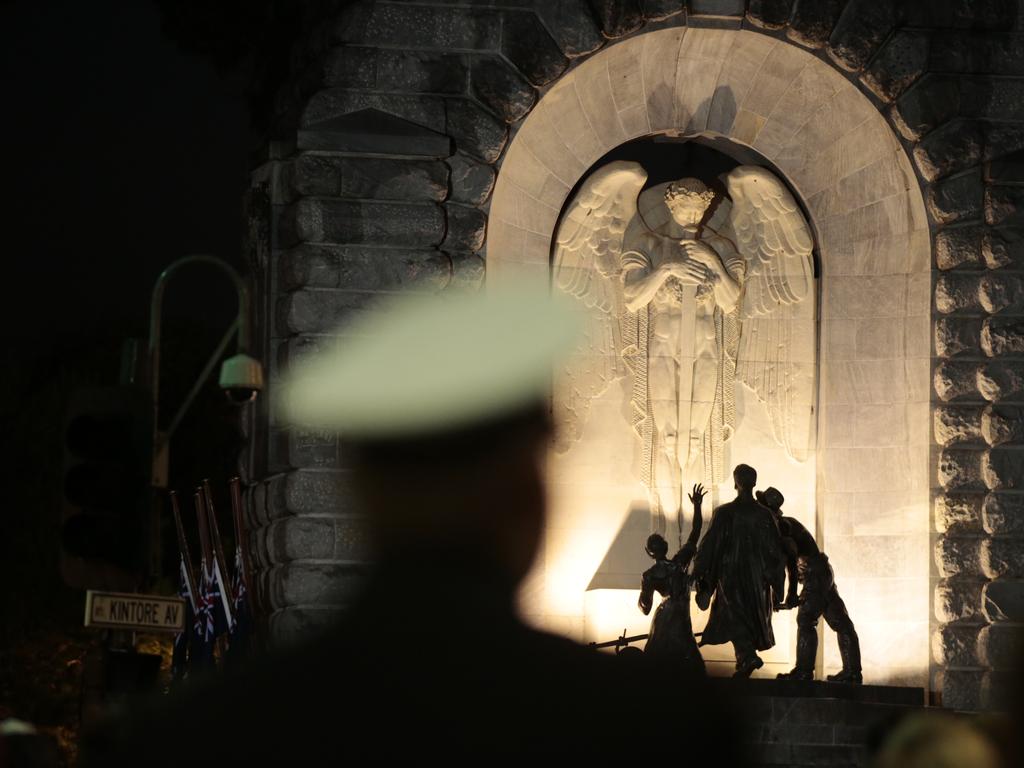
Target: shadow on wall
[625, 557]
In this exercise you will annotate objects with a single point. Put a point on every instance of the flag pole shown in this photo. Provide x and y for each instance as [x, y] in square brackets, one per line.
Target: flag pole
[204, 528]
[186, 556]
[206, 557]
[217, 552]
[240, 539]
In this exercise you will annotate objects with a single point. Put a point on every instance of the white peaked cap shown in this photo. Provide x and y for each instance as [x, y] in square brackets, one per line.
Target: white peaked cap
[420, 365]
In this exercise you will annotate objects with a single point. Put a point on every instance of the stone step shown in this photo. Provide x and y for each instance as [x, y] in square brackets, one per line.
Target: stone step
[819, 689]
[814, 723]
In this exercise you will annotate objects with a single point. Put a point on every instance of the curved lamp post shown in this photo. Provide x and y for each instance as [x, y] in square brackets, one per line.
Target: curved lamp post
[241, 376]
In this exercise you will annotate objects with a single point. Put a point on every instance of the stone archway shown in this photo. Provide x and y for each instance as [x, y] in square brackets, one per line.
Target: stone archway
[837, 151]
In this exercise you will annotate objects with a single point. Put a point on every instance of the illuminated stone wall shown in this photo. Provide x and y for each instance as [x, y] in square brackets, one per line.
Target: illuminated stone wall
[921, 350]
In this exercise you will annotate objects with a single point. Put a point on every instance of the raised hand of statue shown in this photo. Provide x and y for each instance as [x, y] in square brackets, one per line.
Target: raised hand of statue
[698, 495]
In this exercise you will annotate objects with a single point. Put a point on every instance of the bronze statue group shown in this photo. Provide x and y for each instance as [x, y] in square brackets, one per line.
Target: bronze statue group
[740, 569]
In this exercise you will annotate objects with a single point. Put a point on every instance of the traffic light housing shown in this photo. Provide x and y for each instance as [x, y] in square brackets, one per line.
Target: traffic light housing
[108, 447]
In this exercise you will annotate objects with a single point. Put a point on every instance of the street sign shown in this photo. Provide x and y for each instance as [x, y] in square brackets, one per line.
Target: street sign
[141, 613]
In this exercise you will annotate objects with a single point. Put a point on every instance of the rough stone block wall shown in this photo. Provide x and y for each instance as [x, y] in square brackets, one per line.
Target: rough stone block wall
[950, 82]
[349, 227]
[959, 103]
[948, 77]
[346, 226]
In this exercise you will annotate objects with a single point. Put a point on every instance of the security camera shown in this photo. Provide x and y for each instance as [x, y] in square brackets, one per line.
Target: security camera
[241, 378]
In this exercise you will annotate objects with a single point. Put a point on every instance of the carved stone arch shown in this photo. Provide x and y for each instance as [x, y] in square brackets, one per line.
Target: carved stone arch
[840, 155]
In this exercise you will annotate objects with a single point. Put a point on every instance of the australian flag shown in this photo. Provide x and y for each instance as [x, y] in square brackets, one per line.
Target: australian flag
[222, 609]
[204, 634]
[179, 659]
[241, 626]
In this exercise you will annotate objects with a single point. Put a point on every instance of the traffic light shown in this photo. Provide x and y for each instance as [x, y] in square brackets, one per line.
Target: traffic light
[108, 445]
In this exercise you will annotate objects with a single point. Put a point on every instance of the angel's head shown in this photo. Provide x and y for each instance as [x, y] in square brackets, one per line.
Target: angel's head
[687, 200]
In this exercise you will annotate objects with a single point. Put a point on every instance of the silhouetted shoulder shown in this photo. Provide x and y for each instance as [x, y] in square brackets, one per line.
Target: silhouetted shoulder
[662, 569]
[725, 510]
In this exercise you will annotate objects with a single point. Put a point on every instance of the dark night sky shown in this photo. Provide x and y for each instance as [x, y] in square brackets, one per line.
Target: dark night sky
[123, 153]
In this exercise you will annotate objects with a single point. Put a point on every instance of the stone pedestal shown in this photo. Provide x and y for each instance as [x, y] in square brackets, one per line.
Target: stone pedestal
[810, 723]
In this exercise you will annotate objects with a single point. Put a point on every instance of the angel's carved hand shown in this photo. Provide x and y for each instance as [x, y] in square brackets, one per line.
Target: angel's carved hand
[687, 271]
[702, 253]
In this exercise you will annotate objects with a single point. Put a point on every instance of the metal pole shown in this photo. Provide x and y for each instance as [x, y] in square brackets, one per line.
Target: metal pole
[203, 376]
[242, 324]
[156, 315]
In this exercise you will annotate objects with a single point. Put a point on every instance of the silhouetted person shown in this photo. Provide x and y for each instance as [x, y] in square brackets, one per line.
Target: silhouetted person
[741, 562]
[442, 408]
[671, 634]
[807, 565]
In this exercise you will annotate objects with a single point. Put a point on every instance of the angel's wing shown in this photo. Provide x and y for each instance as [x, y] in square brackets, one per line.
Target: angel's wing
[587, 266]
[775, 354]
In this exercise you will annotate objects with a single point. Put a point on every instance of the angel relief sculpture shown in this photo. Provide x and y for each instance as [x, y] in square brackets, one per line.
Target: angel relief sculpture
[688, 310]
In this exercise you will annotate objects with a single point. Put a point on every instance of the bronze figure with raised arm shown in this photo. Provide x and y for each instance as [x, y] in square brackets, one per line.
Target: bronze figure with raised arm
[671, 634]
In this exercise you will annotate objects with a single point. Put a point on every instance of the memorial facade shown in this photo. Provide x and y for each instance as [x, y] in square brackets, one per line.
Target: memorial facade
[826, 286]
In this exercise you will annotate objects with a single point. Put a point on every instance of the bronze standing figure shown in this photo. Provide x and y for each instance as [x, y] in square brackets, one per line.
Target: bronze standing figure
[671, 635]
[808, 565]
[741, 562]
